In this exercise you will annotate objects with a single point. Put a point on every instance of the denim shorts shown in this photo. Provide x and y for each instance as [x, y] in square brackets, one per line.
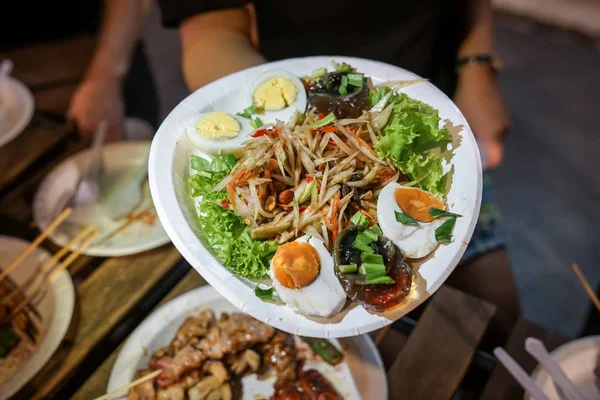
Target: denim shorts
[489, 233]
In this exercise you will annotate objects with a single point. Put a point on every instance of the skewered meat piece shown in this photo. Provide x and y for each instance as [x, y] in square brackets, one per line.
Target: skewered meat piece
[316, 387]
[233, 333]
[173, 367]
[193, 327]
[280, 355]
[143, 391]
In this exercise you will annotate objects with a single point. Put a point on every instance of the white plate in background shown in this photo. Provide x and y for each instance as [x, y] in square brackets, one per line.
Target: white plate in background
[56, 308]
[119, 158]
[360, 376]
[578, 360]
[169, 168]
[16, 109]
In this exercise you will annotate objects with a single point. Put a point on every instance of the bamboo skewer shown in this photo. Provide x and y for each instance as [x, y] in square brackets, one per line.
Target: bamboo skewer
[68, 261]
[129, 386]
[51, 262]
[125, 224]
[586, 286]
[66, 212]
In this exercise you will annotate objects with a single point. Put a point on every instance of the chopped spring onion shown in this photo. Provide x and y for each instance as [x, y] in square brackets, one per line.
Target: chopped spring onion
[329, 119]
[359, 219]
[263, 294]
[375, 228]
[364, 247]
[325, 349]
[343, 67]
[319, 72]
[256, 123]
[371, 258]
[404, 219]
[381, 280]
[374, 271]
[343, 85]
[348, 268]
[371, 235]
[443, 234]
[437, 213]
[356, 80]
[248, 111]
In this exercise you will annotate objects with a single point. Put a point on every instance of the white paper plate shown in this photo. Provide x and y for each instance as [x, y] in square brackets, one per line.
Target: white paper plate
[168, 170]
[16, 109]
[60, 183]
[361, 375]
[578, 359]
[56, 308]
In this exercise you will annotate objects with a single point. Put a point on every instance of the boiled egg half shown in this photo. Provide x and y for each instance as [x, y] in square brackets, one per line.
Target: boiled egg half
[280, 94]
[414, 241]
[218, 133]
[303, 276]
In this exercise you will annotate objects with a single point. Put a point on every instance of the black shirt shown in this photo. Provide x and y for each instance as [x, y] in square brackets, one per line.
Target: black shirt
[421, 36]
[24, 22]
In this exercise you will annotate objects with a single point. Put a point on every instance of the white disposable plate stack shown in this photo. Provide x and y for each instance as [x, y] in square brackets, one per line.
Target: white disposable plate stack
[169, 169]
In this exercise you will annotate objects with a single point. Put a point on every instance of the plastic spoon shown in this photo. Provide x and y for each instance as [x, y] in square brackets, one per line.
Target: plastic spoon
[536, 348]
[519, 374]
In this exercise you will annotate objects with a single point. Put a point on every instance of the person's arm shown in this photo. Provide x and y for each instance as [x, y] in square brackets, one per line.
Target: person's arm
[477, 94]
[99, 95]
[217, 43]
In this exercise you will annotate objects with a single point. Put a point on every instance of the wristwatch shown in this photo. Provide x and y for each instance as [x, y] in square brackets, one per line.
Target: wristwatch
[491, 60]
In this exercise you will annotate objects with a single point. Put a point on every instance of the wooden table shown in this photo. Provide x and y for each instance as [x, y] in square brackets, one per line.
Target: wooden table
[107, 289]
[431, 360]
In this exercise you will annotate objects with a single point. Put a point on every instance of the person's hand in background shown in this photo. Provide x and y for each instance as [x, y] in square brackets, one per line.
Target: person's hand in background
[479, 99]
[99, 96]
[97, 100]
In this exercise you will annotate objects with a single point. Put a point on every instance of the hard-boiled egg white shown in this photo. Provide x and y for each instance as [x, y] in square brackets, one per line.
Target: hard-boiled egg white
[218, 133]
[324, 296]
[274, 88]
[414, 241]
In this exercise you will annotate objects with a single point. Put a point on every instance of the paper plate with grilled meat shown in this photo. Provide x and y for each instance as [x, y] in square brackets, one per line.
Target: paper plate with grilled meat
[205, 348]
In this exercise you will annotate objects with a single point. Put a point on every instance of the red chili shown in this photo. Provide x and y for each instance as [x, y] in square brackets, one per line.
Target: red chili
[265, 131]
[321, 115]
[309, 179]
[225, 204]
[302, 208]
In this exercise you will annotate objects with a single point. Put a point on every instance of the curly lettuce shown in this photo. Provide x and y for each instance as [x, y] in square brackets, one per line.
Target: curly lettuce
[225, 231]
[411, 131]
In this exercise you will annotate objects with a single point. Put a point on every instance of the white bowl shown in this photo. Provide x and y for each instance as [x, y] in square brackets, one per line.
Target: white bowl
[168, 171]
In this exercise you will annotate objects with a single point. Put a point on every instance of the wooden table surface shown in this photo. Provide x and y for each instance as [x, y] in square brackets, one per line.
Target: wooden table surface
[430, 362]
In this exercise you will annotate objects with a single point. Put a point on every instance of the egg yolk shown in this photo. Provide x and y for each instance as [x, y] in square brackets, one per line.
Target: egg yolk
[275, 94]
[296, 264]
[218, 125]
[416, 203]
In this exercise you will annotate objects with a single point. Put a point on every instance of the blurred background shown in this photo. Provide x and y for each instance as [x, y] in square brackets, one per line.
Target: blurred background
[548, 186]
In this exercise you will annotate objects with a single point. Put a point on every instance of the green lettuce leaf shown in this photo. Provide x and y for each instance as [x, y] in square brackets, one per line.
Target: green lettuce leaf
[412, 130]
[225, 232]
